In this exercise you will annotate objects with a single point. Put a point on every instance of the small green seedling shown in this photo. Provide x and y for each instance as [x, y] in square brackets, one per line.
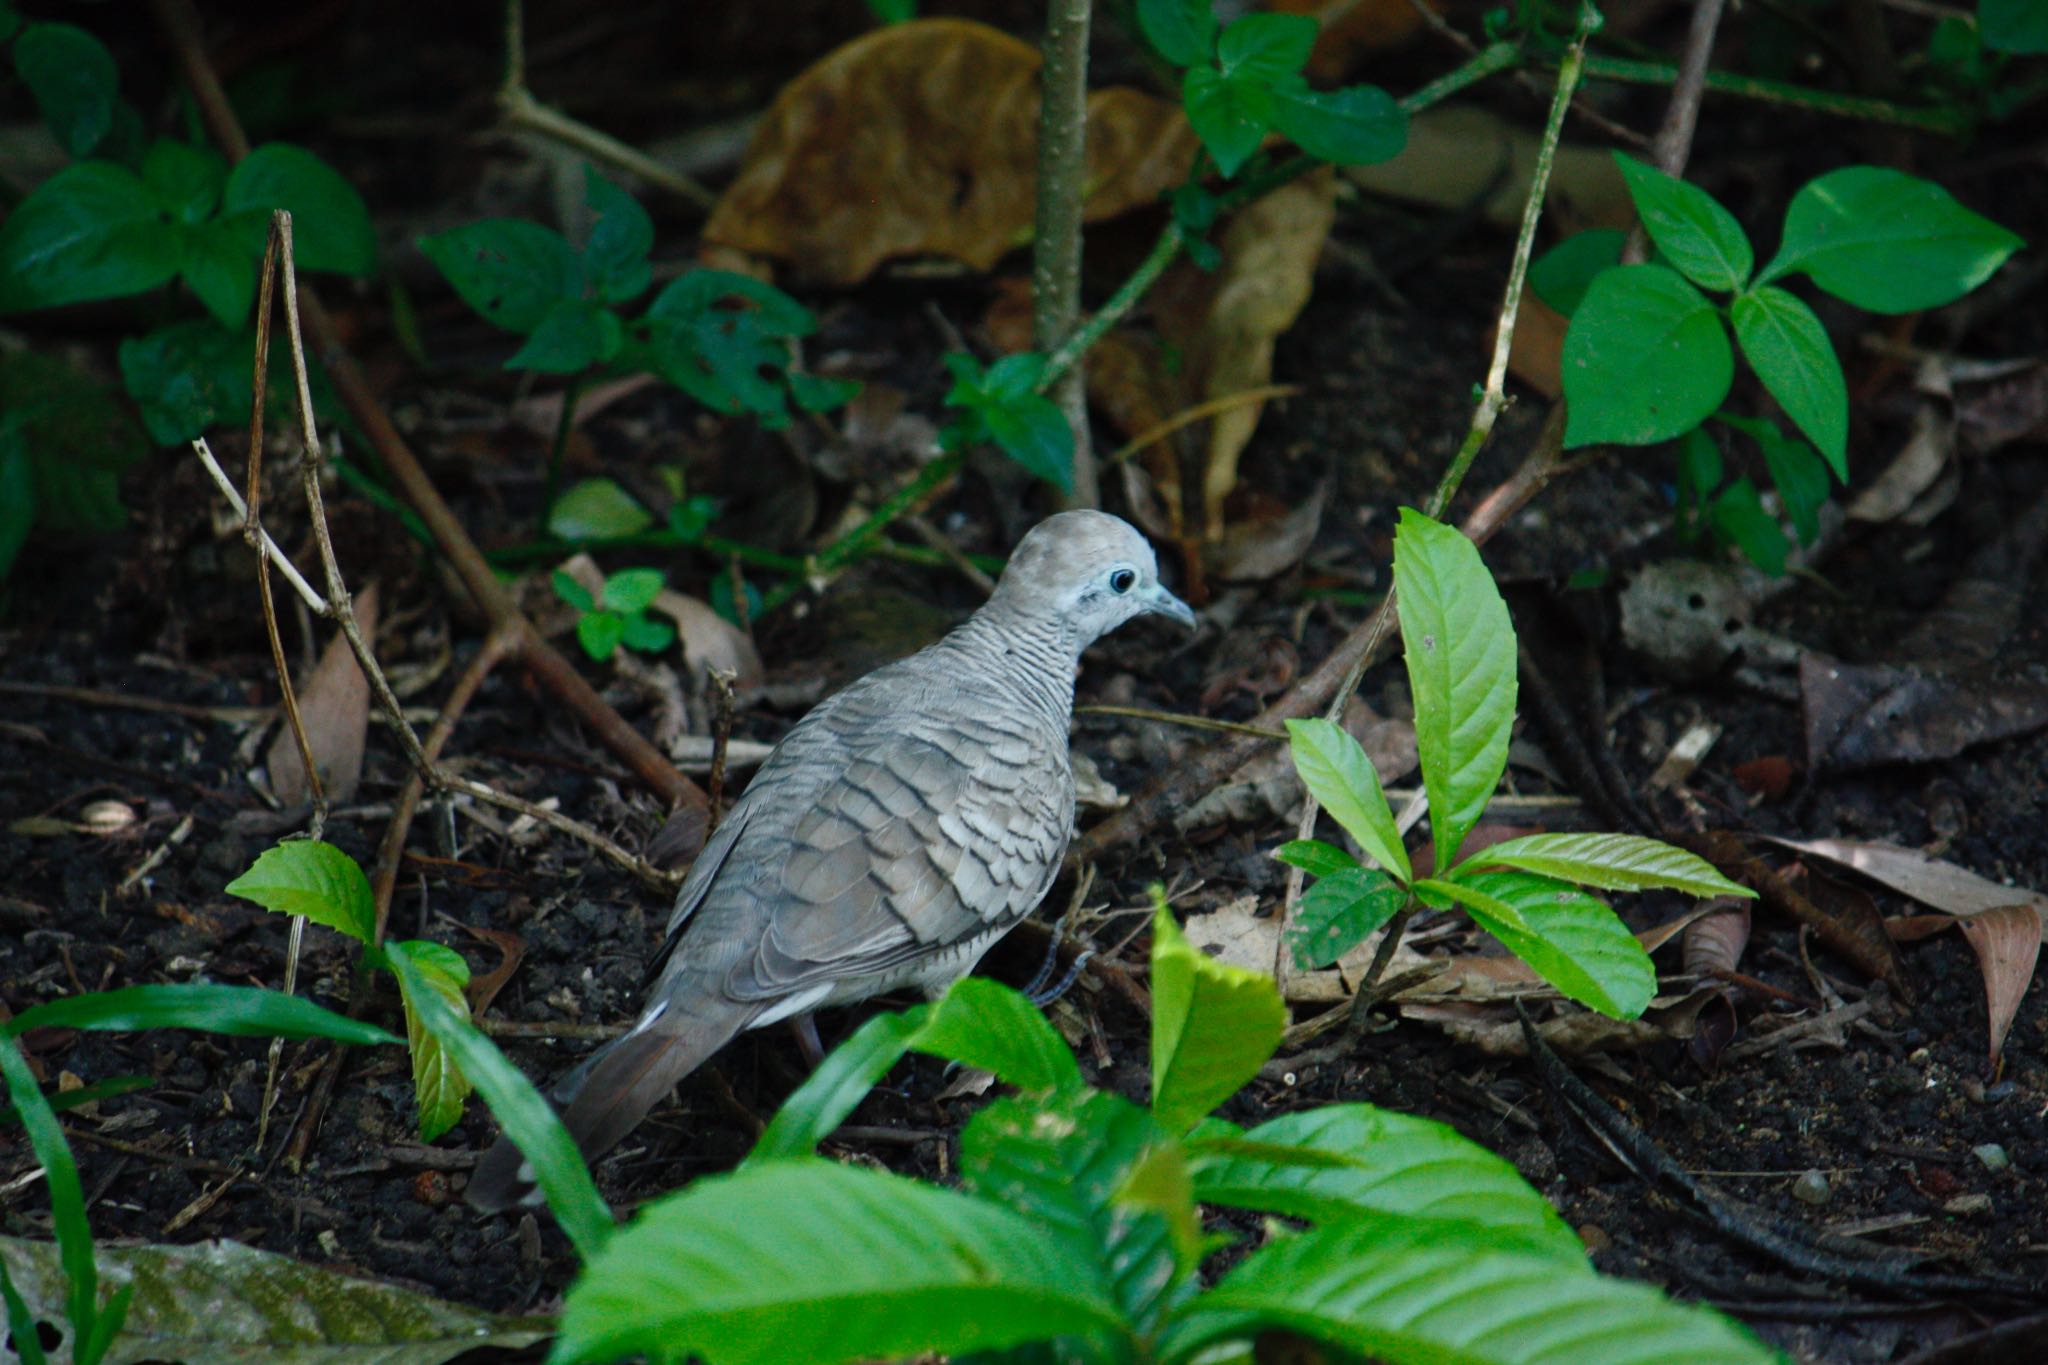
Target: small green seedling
[1003, 404]
[618, 614]
[1460, 651]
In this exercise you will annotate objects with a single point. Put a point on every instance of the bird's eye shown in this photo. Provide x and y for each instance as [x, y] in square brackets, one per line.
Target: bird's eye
[1123, 580]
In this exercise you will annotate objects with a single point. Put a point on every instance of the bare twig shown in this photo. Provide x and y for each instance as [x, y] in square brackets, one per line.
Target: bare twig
[1056, 245]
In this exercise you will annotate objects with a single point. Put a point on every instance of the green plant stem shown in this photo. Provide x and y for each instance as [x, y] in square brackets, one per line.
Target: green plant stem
[565, 422]
[1947, 122]
[855, 543]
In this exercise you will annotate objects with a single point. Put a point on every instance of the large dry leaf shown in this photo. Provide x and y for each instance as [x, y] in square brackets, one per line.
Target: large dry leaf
[2008, 944]
[920, 139]
[334, 706]
[1458, 156]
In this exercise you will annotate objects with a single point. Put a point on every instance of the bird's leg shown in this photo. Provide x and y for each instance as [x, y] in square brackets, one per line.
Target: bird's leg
[1052, 960]
[805, 1027]
[1041, 995]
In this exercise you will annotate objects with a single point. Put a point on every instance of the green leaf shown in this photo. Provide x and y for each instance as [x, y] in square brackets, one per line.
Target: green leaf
[522, 1114]
[219, 271]
[819, 393]
[632, 590]
[574, 335]
[2015, 26]
[1801, 478]
[91, 231]
[61, 1100]
[1330, 1163]
[10, 20]
[1614, 862]
[1063, 1163]
[698, 294]
[74, 81]
[893, 11]
[838, 1084]
[1266, 47]
[1182, 31]
[315, 879]
[330, 223]
[438, 1085]
[597, 509]
[1213, 1025]
[1645, 358]
[808, 1261]
[1013, 377]
[1689, 226]
[509, 270]
[67, 1196]
[571, 591]
[647, 634]
[1315, 857]
[187, 377]
[1562, 274]
[1887, 241]
[1337, 772]
[1739, 518]
[1231, 115]
[600, 632]
[615, 256]
[1360, 125]
[1032, 431]
[17, 492]
[1460, 650]
[1340, 912]
[185, 179]
[1790, 351]
[1573, 941]
[1436, 1290]
[236, 1011]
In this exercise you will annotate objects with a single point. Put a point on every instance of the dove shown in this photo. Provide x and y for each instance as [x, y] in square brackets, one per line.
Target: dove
[900, 828]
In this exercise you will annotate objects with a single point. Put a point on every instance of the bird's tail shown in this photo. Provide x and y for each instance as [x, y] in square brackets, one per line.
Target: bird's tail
[603, 1099]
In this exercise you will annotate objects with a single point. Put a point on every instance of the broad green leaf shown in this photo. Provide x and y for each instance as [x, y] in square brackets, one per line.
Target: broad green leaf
[571, 591]
[1326, 1164]
[1337, 772]
[1014, 376]
[315, 879]
[1614, 862]
[1689, 226]
[17, 493]
[803, 1260]
[893, 11]
[2015, 26]
[1645, 358]
[185, 179]
[1033, 431]
[1887, 241]
[1739, 518]
[1315, 857]
[74, 81]
[820, 393]
[1576, 943]
[1266, 47]
[837, 1085]
[91, 231]
[1063, 1163]
[1790, 351]
[1435, 1290]
[1182, 31]
[597, 509]
[1360, 125]
[219, 1302]
[632, 590]
[218, 269]
[1460, 650]
[188, 377]
[1561, 275]
[438, 1085]
[615, 256]
[1340, 912]
[1699, 474]
[330, 223]
[647, 634]
[67, 1196]
[509, 270]
[1801, 479]
[600, 632]
[236, 1011]
[1213, 1025]
[574, 335]
[698, 293]
[1230, 114]
[521, 1113]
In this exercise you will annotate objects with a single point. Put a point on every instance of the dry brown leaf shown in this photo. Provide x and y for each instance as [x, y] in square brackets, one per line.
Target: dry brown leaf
[1915, 469]
[1352, 30]
[1536, 352]
[334, 706]
[2007, 941]
[1933, 882]
[919, 139]
[1238, 935]
[1458, 156]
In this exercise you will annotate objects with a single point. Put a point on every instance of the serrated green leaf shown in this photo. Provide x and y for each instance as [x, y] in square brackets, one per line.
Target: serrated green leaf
[1315, 857]
[572, 336]
[1887, 241]
[807, 1260]
[312, 878]
[1340, 912]
[74, 81]
[509, 270]
[1789, 350]
[1338, 773]
[1689, 226]
[1231, 115]
[597, 509]
[600, 633]
[615, 256]
[1033, 431]
[91, 231]
[1213, 1025]
[1561, 275]
[438, 1085]
[1738, 516]
[1645, 358]
[1182, 31]
[1573, 941]
[1360, 125]
[1266, 47]
[1460, 650]
[330, 223]
[632, 590]
[1613, 862]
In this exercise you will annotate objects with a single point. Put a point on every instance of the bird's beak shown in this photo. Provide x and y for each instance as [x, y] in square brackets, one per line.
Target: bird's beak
[1158, 599]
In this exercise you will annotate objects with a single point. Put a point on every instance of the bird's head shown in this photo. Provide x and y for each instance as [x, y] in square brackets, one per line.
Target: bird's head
[1087, 572]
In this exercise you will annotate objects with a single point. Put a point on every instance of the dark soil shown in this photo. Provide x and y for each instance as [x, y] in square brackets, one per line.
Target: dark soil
[1891, 1112]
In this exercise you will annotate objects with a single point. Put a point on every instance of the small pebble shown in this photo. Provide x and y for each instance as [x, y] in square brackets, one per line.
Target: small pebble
[1968, 1204]
[1993, 1156]
[1812, 1188]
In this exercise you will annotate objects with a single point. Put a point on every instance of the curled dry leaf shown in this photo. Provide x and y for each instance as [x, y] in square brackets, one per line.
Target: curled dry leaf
[334, 705]
[1915, 469]
[919, 139]
[2007, 942]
